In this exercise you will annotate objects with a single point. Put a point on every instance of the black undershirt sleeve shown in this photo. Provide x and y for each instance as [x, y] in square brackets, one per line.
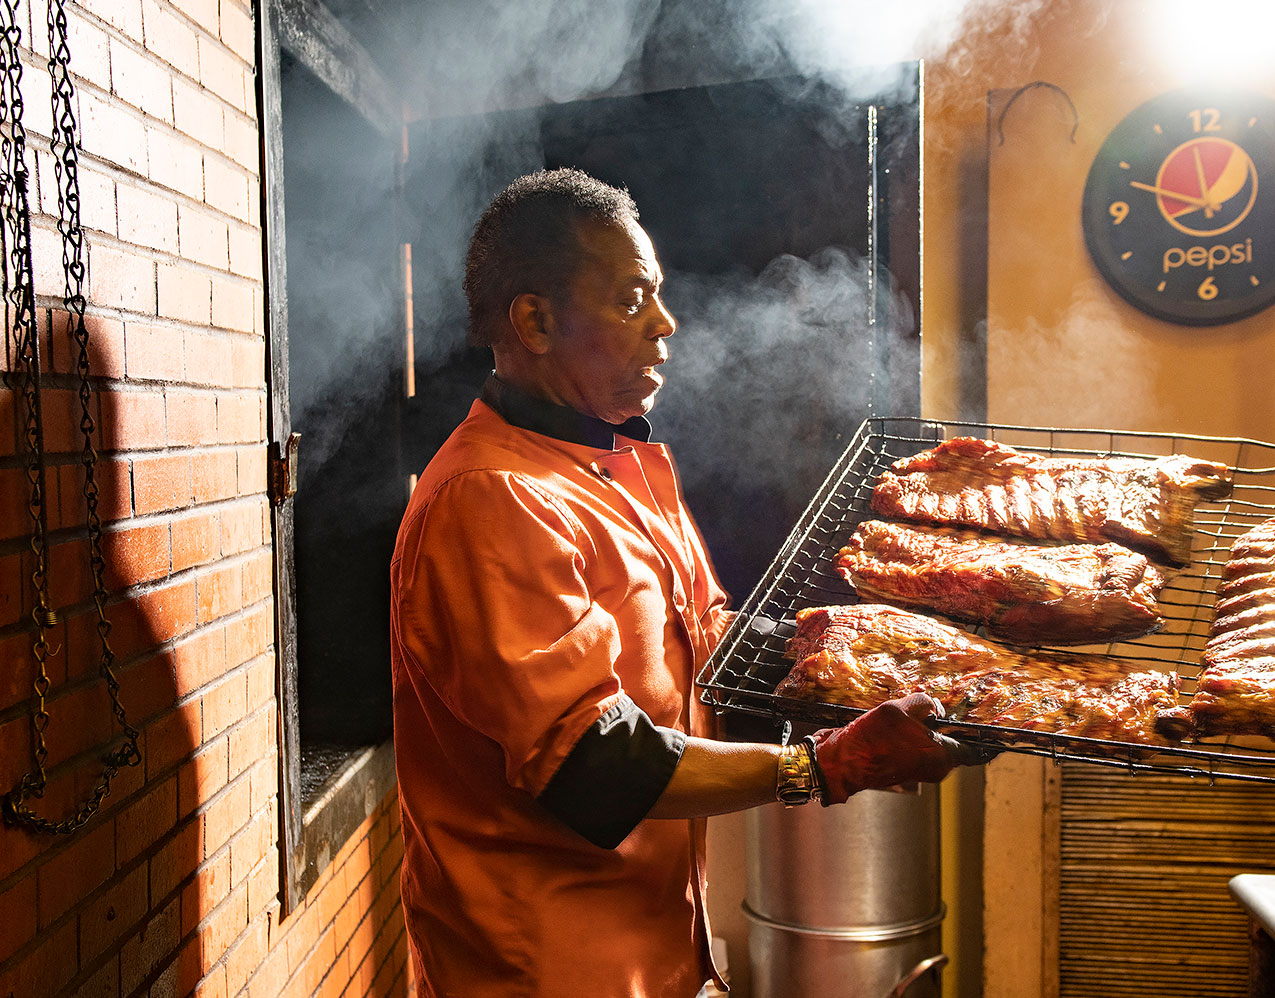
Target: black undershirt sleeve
[614, 775]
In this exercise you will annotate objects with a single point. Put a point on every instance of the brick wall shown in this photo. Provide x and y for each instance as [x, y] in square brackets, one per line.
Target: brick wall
[173, 888]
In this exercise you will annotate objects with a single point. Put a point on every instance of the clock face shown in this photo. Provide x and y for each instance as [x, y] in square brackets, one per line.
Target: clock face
[1179, 207]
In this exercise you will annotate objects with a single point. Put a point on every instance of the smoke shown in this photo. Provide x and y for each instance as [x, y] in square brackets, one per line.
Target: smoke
[480, 78]
[777, 357]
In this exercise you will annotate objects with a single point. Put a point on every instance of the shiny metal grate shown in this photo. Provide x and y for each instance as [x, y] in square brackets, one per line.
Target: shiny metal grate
[749, 662]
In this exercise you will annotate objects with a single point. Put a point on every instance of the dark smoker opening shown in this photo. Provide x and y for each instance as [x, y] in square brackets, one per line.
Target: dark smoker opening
[758, 198]
[346, 400]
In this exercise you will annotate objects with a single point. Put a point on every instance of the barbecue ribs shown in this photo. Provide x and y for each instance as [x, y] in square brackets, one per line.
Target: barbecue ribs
[1023, 593]
[1235, 693]
[1146, 504]
[865, 654]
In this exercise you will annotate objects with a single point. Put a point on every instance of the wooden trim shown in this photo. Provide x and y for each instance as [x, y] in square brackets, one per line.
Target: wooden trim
[270, 112]
[308, 32]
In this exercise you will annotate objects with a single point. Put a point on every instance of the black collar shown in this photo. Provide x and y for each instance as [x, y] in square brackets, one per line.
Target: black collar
[558, 421]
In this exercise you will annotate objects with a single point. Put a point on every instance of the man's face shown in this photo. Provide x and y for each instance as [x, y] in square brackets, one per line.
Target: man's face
[607, 334]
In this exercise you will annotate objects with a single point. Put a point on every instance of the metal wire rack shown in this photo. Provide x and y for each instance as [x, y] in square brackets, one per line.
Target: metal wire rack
[749, 662]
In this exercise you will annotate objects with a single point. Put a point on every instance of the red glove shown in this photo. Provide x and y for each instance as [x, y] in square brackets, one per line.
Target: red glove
[885, 747]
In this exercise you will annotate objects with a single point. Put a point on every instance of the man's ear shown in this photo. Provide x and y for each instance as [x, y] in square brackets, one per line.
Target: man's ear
[532, 319]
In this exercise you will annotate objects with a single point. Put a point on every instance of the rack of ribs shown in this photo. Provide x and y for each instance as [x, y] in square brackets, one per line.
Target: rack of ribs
[1235, 692]
[1023, 593]
[862, 655]
[1147, 504]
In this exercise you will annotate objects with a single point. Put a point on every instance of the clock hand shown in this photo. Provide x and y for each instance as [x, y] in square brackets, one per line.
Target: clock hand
[1185, 198]
[1211, 205]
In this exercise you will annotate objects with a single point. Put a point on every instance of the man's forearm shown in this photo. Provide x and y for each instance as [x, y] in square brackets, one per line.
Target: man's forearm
[715, 777]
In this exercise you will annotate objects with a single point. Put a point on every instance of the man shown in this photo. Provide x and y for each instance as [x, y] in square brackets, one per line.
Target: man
[551, 602]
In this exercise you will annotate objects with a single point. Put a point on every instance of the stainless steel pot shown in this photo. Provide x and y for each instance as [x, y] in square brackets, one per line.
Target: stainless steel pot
[843, 902]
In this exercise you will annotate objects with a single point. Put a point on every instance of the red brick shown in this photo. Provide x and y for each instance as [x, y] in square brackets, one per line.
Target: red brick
[172, 737]
[206, 891]
[245, 956]
[170, 38]
[208, 358]
[226, 187]
[224, 705]
[147, 218]
[112, 914]
[176, 860]
[123, 14]
[214, 475]
[169, 611]
[115, 488]
[204, 238]
[103, 984]
[175, 162]
[237, 31]
[197, 537]
[245, 251]
[184, 293]
[147, 821]
[200, 778]
[220, 593]
[200, 659]
[153, 352]
[198, 113]
[213, 984]
[258, 578]
[69, 577]
[224, 926]
[15, 521]
[79, 869]
[141, 82]
[161, 483]
[242, 141]
[14, 587]
[79, 720]
[139, 554]
[232, 303]
[263, 781]
[60, 414]
[17, 916]
[146, 951]
[238, 418]
[271, 977]
[251, 846]
[223, 73]
[105, 345]
[110, 131]
[249, 636]
[9, 423]
[132, 420]
[205, 13]
[47, 970]
[253, 470]
[146, 686]
[225, 816]
[191, 417]
[119, 278]
[263, 883]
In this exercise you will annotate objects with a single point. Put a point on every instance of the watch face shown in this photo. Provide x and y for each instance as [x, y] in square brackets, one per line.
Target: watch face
[1179, 207]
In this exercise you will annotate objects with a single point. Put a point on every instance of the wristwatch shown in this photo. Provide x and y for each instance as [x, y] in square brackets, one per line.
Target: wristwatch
[796, 782]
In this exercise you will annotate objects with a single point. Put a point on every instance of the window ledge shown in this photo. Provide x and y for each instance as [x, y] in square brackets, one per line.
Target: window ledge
[340, 806]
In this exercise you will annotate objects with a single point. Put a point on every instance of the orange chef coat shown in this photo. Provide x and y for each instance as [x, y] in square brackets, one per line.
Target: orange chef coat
[535, 584]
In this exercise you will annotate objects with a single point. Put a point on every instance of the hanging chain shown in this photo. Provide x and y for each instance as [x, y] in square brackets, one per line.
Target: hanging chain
[22, 295]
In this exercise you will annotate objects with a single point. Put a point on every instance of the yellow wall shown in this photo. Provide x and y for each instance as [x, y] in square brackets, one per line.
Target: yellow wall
[1062, 348]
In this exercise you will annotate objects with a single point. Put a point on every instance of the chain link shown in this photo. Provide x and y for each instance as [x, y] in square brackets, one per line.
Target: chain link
[22, 297]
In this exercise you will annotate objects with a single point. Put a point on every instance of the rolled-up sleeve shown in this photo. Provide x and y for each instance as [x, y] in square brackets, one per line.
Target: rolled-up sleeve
[497, 615]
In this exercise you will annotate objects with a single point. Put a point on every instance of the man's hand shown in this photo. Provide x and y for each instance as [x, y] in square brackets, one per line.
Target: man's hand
[888, 746]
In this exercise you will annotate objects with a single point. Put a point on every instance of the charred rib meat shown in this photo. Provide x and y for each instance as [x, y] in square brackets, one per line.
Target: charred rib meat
[865, 654]
[966, 481]
[1235, 693]
[1023, 593]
